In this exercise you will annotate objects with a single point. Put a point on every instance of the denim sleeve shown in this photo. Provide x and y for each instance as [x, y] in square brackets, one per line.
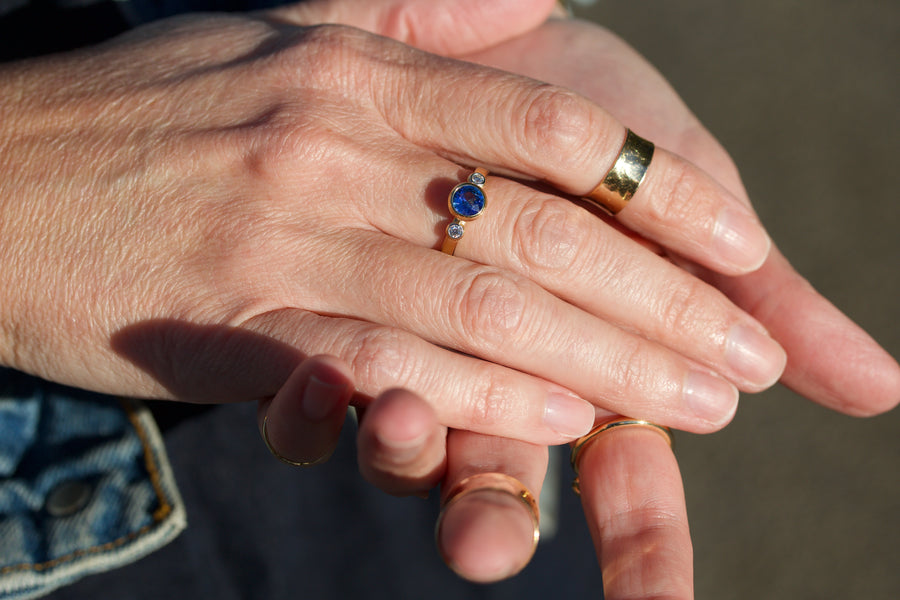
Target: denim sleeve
[85, 485]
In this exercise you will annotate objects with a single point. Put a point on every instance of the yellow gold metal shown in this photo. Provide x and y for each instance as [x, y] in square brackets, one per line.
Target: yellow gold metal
[581, 444]
[448, 246]
[493, 482]
[285, 460]
[623, 179]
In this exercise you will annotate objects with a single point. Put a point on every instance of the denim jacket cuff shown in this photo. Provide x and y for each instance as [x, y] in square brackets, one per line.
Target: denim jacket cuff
[85, 485]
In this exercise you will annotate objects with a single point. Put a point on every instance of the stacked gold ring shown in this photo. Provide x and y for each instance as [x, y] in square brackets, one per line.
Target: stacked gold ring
[284, 459]
[626, 174]
[584, 441]
[493, 482]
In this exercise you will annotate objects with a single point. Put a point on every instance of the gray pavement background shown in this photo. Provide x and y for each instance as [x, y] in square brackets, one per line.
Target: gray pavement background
[793, 501]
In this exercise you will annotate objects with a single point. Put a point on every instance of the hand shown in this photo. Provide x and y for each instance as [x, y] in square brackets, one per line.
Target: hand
[164, 217]
[621, 81]
[404, 450]
[631, 487]
[855, 376]
[630, 469]
[666, 564]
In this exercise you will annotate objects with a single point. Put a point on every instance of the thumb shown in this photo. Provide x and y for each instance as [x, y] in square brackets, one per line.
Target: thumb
[446, 27]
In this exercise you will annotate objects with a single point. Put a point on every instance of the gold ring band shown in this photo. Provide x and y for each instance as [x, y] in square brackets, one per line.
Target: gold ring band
[582, 443]
[284, 459]
[466, 201]
[623, 179]
[493, 482]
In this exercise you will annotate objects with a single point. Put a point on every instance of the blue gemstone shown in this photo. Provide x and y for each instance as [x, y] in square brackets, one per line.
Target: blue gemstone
[467, 201]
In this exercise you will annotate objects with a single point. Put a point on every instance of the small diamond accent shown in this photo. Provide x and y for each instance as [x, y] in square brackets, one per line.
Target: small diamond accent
[455, 231]
[477, 178]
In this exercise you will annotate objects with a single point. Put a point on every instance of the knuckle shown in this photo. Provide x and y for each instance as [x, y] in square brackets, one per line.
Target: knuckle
[328, 46]
[282, 143]
[629, 369]
[547, 235]
[491, 304]
[648, 519]
[339, 58]
[558, 122]
[682, 308]
[380, 357]
[682, 200]
[490, 405]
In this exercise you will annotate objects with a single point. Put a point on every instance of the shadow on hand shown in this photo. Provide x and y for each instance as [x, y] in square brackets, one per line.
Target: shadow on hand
[207, 363]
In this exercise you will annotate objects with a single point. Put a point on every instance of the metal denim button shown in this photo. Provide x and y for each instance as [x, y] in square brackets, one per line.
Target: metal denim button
[68, 498]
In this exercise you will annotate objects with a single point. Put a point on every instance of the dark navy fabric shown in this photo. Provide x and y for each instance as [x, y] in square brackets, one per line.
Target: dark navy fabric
[259, 529]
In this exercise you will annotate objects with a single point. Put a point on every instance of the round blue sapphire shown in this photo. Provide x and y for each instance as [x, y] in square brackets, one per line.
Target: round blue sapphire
[467, 201]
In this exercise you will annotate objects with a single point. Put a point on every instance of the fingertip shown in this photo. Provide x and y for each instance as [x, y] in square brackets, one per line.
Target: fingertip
[302, 423]
[486, 536]
[711, 400]
[755, 356]
[568, 415]
[869, 387]
[401, 445]
[399, 419]
[740, 242]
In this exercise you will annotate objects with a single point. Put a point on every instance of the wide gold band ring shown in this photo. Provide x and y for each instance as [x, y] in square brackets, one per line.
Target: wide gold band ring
[493, 483]
[623, 179]
[467, 202]
[582, 443]
[284, 459]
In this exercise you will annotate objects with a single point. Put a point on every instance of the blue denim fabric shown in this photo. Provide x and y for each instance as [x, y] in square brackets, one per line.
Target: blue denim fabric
[85, 485]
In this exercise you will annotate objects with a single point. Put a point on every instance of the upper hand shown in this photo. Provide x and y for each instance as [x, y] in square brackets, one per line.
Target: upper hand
[191, 209]
[854, 375]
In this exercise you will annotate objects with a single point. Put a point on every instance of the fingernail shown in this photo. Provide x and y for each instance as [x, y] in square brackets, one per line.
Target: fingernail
[709, 397]
[569, 416]
[319, 398]
[756, 356]
[740, 240]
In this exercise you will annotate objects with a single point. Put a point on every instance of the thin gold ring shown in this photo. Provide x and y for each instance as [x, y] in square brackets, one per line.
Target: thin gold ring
[581, 444]
[626, 174]
[493, 482]
[466, 201]
[284, 459]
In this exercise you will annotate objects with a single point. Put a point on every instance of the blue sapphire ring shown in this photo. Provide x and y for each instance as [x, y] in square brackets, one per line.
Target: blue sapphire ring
[467, 202]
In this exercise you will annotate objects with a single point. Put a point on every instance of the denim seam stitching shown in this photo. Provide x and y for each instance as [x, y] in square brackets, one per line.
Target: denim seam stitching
[164, 510]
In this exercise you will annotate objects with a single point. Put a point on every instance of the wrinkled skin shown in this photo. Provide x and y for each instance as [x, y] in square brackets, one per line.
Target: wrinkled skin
[174, 216]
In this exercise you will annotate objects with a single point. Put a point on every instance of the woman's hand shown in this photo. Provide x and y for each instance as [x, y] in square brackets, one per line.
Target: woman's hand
[630, 484]
[191, 209]
[854, 375]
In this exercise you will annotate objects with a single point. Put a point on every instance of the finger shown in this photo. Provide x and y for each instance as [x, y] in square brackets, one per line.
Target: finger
[465, 392]
[507, 319]
[401, 446]
[489, 535]
[831, 360]
[581, 259]
[634, 503]
[446, 27]
[555, 135]
[302, 423]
